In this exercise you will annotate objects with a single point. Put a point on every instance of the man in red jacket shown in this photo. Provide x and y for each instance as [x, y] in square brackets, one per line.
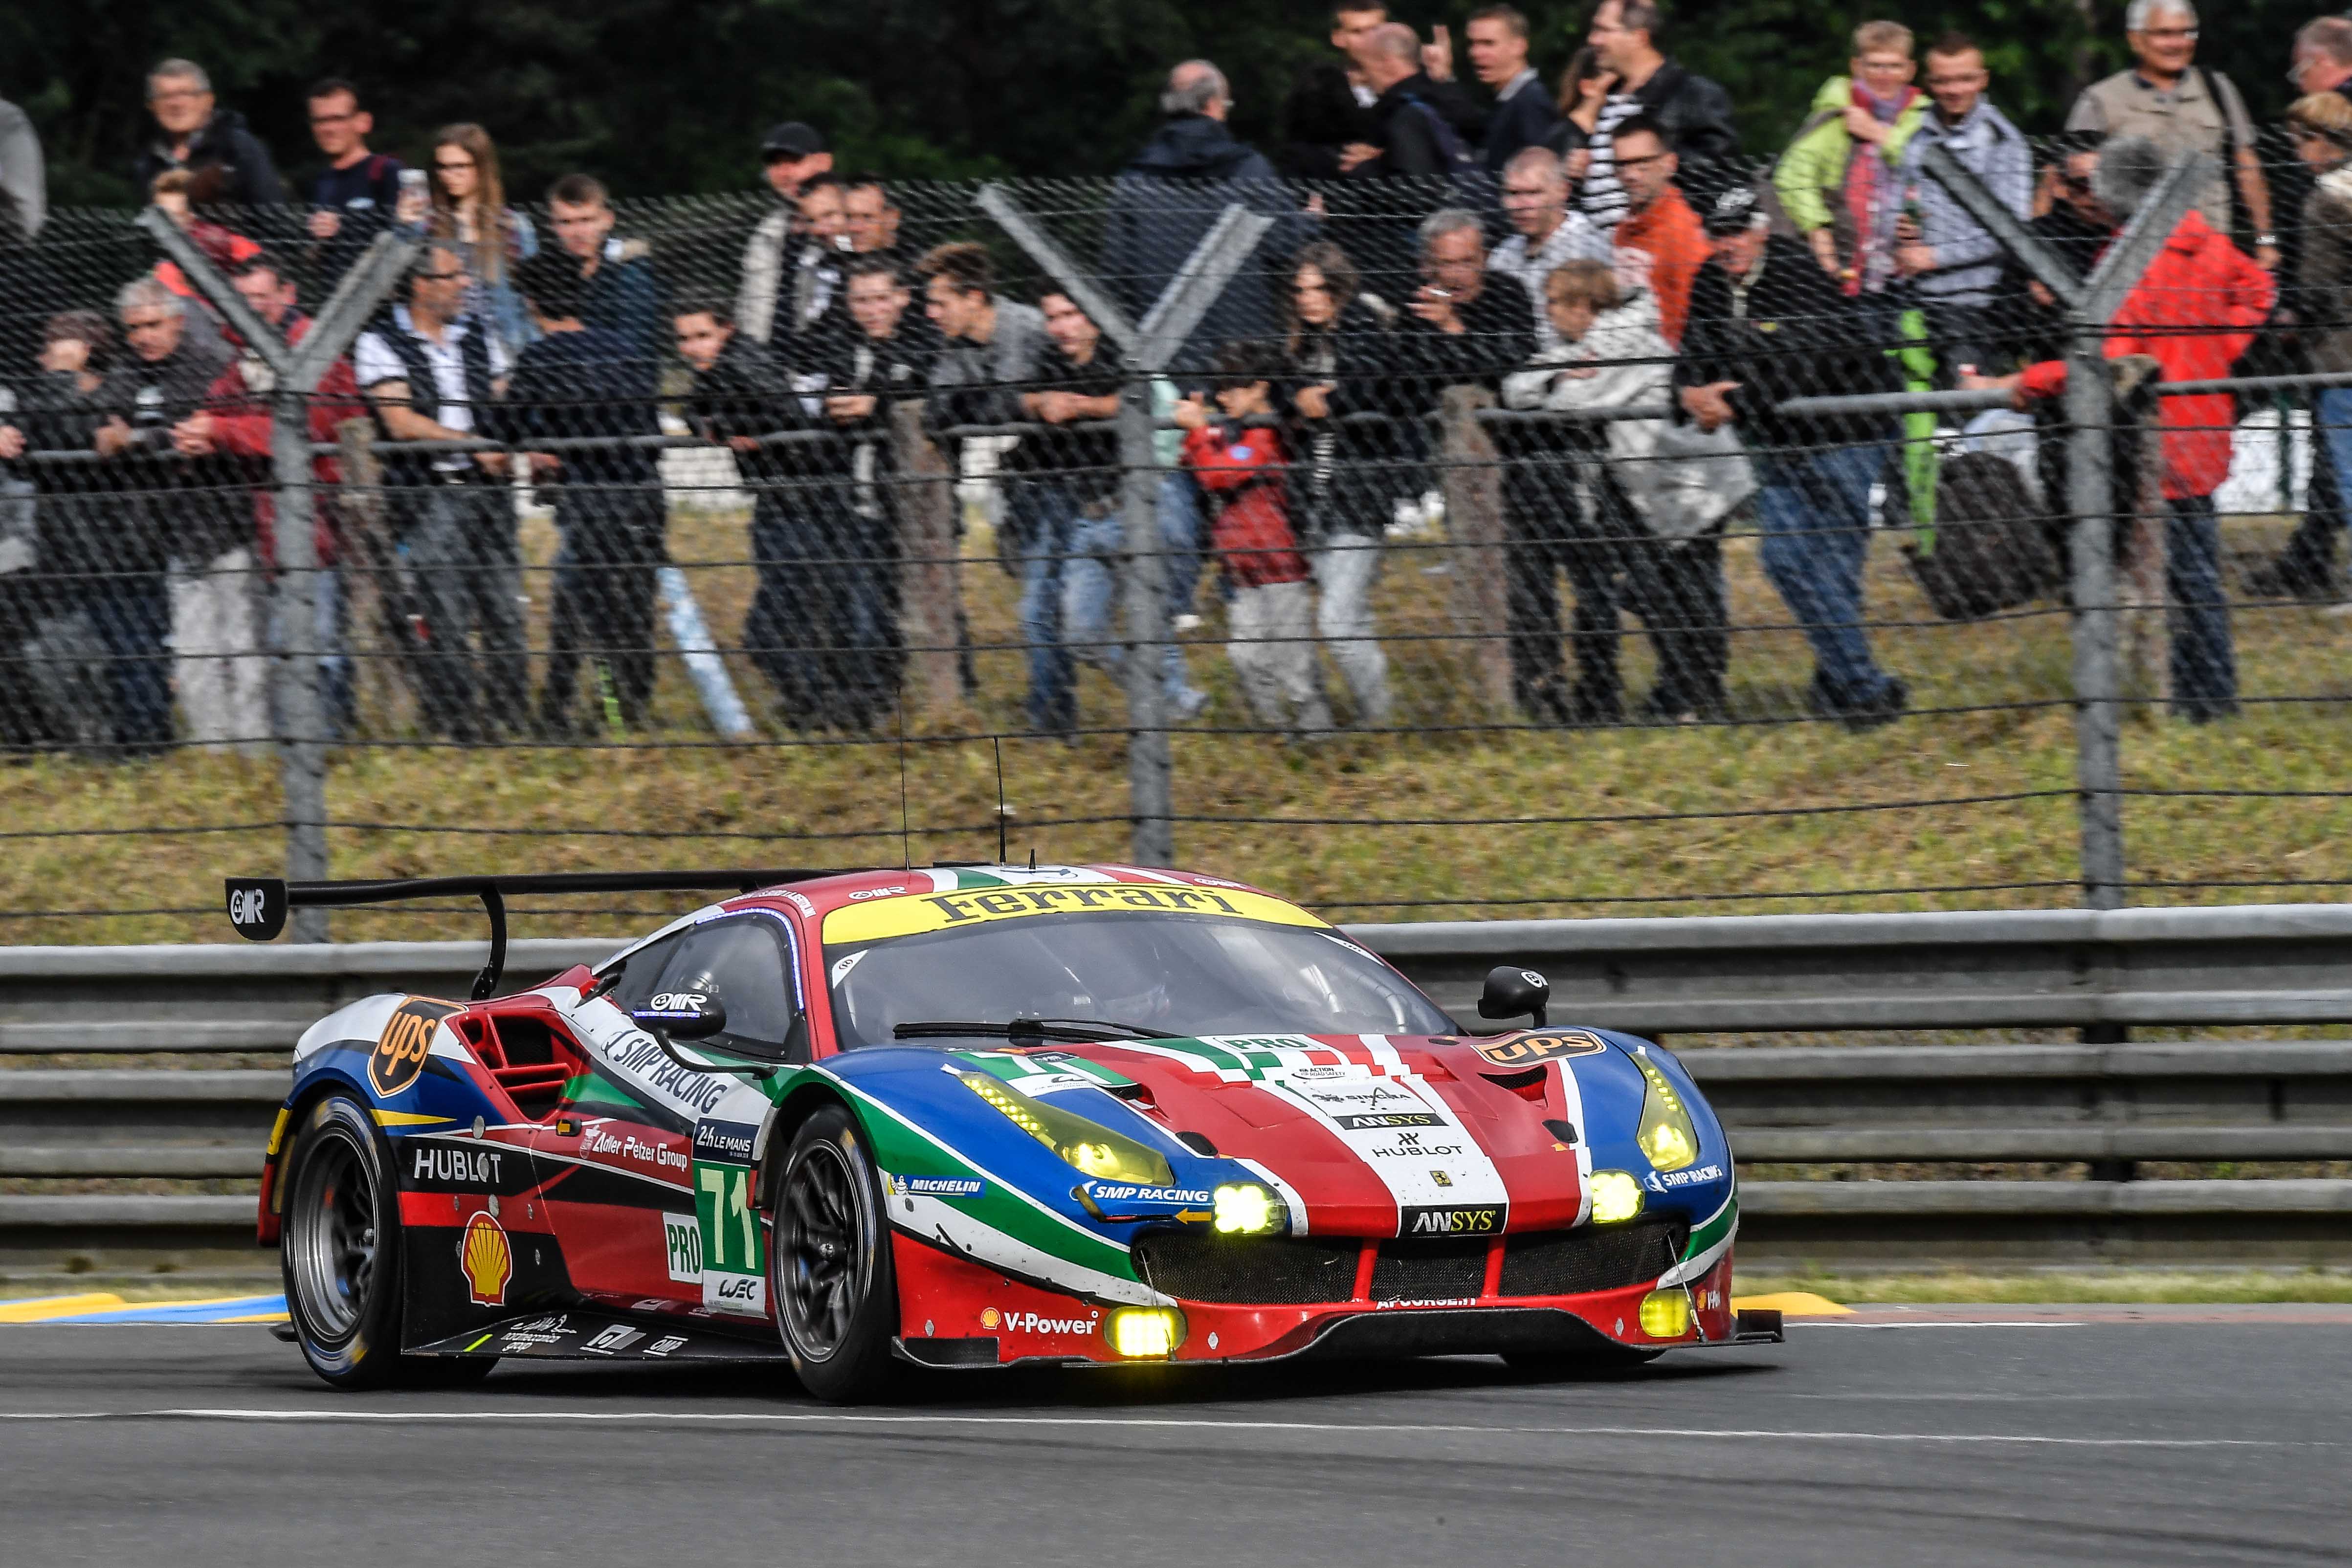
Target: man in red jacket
[2193, 311]
[241, 426]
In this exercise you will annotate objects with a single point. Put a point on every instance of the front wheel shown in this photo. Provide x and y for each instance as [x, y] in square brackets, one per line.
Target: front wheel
[829, 1268]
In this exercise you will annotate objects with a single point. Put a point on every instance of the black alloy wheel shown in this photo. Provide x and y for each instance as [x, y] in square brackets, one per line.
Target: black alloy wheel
[829, 1269]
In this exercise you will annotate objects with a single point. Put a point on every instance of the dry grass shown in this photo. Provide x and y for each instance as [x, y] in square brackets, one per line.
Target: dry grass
[1997, 723]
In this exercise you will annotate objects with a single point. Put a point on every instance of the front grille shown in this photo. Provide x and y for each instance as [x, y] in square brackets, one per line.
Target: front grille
[1265, 1270]
[1429, 1270]
[1595, 1258]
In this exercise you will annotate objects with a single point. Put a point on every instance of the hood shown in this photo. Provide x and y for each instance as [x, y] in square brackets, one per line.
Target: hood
[1357, 1134]
[1191, 146]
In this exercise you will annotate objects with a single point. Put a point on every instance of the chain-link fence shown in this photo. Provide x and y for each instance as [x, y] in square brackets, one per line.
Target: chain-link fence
[1415, 548]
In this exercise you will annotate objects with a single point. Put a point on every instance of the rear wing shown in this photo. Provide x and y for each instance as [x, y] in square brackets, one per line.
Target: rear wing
[257, 905]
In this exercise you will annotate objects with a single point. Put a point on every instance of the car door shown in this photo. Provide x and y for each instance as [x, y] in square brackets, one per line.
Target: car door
[663, 1152]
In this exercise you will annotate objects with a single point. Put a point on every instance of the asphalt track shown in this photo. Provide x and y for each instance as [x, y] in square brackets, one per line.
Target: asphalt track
[2113, 1436]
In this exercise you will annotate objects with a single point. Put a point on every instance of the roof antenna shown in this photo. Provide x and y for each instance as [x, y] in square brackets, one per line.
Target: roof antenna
[997, 742]
[906, 837]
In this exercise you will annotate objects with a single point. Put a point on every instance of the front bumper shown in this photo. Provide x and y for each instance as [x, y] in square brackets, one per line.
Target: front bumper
[956, 1312]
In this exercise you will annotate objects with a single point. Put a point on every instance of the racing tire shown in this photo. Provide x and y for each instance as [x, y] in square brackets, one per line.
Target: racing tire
[1566, 1366]
[829, 1267]
[340, 1254]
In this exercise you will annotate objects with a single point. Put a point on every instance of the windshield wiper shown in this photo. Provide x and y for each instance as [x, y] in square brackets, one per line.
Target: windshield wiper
[1030, 1031]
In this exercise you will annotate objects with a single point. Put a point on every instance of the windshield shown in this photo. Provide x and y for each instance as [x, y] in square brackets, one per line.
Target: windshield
[1185, 975]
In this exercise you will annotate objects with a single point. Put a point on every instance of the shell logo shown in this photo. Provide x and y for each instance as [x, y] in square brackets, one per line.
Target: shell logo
[991, 1319]
[487, 1259]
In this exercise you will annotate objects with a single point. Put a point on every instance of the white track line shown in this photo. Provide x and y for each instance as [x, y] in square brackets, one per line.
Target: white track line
[826, 1417]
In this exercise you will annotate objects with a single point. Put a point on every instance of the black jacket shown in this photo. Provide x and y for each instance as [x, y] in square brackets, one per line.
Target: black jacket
[1800, 337]
[1526, 119]
[591, 383]
[1695, 115]
[1085, 461]
[1167, 197]
[1336, 481]
[1499, 334]
[171, 505]
[1320, 117]
[231, 166]
[1411, 145]
[746, 392]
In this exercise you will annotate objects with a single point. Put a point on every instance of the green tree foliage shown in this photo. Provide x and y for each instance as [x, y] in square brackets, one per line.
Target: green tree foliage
[669, 96]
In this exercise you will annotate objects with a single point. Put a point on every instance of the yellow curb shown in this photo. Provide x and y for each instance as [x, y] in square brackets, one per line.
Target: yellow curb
[40, 1309]
[259, 1318]
[1795, 1303]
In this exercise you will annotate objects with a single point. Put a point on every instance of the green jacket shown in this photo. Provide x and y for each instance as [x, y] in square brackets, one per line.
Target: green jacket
[1811, 175]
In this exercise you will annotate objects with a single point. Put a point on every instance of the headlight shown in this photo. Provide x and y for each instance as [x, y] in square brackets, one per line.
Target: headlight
[1145, 1334]
[1665, 1314]
[1084, 1145]
[1245, 1209]
[1616, 1197]
[1668, 1139]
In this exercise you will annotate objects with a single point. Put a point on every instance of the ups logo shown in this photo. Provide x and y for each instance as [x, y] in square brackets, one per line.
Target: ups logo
[1528, 1046]
[400, 1051]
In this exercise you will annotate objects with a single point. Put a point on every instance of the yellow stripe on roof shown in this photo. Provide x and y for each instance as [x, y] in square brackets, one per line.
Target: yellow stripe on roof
[912, 915]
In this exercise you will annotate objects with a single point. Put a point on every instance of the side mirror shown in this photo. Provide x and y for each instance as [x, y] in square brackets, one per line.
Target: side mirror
[1510, 993]
[681, 1015]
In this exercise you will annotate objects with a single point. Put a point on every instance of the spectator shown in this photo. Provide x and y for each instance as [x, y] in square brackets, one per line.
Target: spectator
[577, 381]
[2320, 123]
[793, 155]
[1606, 353]
[1693, 112]
[816, 625]
[358, 191]
[470, 211]
[1954, 263]
[178, 513]
[1583, 93]
[1327, 120]
[23, 178]
[1079, 383]
[1839, 181]
[2321, 61]
[1417, 138]
[2182, 108]
[2193, 311]
[886, 361]
[225, 250]
[1339, 364]
[1767, 324]
[230, 165]
[1171, 194]
[72, 560]
[811, 322]
[1270, 620]
[1522, 115]
[432, 371]
[620, 295]
[1545, 234]
[989, 352]
[239, 425]
[871, 217]
[1659, 225]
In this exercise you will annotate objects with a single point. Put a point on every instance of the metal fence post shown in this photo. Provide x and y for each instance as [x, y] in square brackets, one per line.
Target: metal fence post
[1150, 766]
[2090, 496]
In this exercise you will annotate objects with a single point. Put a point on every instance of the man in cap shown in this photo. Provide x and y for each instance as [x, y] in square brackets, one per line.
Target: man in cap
[793, 154]
[1766, 325]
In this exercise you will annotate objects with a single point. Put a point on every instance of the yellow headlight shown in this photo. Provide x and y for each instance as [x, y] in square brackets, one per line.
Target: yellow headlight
[1667, 1137]
[1084, 1145]
[1665, 1314]
[1245, 1210]
[1616, 1197]
[1145, 1334]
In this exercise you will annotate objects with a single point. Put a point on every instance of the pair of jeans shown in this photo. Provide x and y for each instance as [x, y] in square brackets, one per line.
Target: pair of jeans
[1091, 600]
[468, 577]
[821, 628]
[1546, 535]
[131, 617]
[1814, 509]
[1345, 566]
[1272, 650]
[2197, 611]
[604, 605]
[217, 650]
[1045, 523]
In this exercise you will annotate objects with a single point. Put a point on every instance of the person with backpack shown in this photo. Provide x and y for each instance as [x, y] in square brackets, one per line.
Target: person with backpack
[2183, 107]
[1417, 140]
[1240, 461]
[357, 194]
[1841, 179]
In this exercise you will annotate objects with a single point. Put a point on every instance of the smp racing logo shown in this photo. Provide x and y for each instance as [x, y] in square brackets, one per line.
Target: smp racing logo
[407, 1038]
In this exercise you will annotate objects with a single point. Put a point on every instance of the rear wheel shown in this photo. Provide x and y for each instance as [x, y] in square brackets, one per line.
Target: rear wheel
[829, 1267]
[341, 1257]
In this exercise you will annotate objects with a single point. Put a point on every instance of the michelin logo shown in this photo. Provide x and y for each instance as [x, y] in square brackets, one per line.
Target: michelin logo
[1666, 1181]
[937, 1187]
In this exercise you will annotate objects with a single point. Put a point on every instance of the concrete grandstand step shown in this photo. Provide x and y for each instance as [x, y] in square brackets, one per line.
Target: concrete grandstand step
[192, 1161]
[92, 1085]
[2073, 1141]
[109, 1211]
[1928, 1199]
[155, 1035]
